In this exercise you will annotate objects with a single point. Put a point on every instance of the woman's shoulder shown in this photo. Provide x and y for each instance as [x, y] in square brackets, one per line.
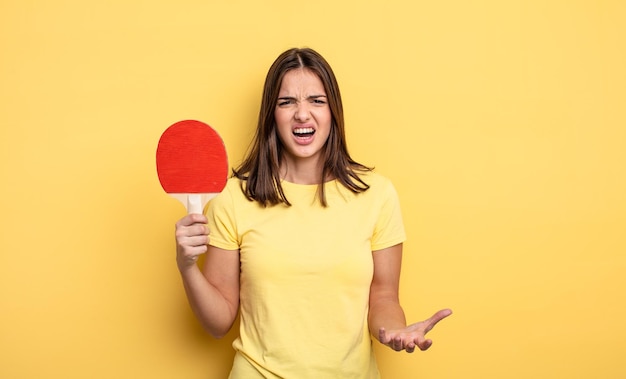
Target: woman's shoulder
[231, 191]
[233, 183]
[375, 179]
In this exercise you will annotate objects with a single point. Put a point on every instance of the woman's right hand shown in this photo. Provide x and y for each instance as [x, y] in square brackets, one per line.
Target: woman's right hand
[192, 237]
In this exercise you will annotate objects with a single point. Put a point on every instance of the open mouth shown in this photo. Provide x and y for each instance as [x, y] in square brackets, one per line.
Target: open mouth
[303, 132]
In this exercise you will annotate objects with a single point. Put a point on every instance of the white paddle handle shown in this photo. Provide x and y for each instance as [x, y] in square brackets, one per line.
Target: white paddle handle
[194, 203]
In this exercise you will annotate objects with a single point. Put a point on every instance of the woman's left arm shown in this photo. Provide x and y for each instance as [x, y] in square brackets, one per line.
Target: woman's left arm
[386, 317]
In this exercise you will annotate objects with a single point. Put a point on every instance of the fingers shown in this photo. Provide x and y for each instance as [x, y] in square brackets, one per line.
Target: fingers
[434, 319]
[191, 232]
[398, 342]
[192, 237]
[382, 336]
[414, 335]
[429, 324]
[410, 346]
[190, 219]
[423, 344]
[386, 339]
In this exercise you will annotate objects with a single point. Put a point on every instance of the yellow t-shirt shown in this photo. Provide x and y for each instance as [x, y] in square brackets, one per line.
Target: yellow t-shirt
[305, 276]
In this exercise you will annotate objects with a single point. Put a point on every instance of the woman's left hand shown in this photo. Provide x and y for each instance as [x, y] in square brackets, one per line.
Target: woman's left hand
[413, 335]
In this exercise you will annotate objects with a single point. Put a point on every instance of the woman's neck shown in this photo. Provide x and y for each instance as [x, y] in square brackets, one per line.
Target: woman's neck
[301, 171]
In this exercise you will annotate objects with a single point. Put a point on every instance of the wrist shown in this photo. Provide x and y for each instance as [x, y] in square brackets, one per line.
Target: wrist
[186, 265]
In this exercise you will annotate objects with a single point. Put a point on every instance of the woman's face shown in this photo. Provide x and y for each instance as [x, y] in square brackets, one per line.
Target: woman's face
[302, 115]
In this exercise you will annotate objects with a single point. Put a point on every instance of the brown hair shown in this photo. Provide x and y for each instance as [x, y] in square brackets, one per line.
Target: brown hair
[260, 168]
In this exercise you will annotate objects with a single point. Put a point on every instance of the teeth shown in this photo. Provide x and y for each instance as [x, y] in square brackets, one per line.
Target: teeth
[303, 130]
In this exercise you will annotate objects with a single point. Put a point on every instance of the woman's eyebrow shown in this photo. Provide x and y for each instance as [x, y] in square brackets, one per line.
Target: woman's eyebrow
[294, 98]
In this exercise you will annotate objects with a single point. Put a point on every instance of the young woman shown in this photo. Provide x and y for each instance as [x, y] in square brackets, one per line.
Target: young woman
[304, 242]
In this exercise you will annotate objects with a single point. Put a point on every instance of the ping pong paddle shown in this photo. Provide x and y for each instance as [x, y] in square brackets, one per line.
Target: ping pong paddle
[192, 164]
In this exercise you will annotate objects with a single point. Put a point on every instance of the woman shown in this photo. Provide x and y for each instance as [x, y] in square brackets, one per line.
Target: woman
[304, 241]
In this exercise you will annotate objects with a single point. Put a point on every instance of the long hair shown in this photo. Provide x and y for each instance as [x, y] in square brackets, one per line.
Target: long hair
[260, 167]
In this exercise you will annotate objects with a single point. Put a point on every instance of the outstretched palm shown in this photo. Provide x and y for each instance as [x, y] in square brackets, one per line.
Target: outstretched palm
[413, 335]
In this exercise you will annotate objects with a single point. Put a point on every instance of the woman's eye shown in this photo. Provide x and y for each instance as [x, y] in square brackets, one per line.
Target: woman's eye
[282, 103]
[319, 101]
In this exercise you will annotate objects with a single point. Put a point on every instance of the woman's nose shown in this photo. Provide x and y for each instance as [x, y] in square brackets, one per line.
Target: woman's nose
[302, 112]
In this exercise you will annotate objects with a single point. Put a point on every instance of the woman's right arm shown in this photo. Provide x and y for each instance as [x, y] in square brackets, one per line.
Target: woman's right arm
[213, 293]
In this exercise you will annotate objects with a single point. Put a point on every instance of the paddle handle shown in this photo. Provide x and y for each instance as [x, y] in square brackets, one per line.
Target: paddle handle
[194, 203]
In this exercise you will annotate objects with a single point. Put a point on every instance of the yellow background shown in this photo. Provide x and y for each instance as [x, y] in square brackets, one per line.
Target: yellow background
[502, 124]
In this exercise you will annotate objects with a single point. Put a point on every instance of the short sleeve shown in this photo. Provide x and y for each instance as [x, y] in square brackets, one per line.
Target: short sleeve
[389, 228]
[222, 221]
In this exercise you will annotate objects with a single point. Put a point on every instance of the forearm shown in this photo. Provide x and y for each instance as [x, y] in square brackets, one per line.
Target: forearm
[385, 310]
[211, 308]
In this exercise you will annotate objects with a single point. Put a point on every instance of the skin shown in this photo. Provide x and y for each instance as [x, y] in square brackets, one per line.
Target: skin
[302, 103]
[213, 292]
[386, 317]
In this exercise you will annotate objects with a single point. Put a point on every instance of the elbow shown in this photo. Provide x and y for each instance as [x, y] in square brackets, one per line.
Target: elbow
[218, 331]
[217, 324]
[217, 336]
